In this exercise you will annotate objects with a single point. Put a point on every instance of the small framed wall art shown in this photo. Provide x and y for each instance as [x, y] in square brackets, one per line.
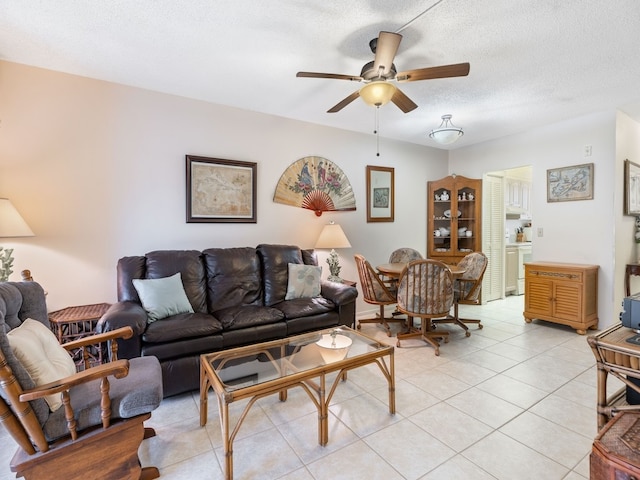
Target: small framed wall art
[631, 188]
[220, 190]
[570, 183]
[380, 194]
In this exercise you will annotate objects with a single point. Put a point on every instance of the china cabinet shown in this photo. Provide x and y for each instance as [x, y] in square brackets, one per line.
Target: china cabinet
[454, 210]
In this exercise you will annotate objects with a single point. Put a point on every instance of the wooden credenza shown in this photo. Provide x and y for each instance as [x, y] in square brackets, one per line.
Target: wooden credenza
[565, 293]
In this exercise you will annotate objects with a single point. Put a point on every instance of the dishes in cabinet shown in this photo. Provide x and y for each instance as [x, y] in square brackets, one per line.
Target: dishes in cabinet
[461, 231]
[447, 213]
[444, 231]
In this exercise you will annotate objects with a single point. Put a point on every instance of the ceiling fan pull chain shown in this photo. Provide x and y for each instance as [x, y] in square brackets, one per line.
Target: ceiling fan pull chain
[377, 130]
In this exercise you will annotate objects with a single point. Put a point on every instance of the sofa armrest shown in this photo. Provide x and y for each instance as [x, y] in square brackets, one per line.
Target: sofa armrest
[338, 293]
[125, 314]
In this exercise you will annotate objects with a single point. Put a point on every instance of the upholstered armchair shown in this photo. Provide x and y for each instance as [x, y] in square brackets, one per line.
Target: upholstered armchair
[66, 424]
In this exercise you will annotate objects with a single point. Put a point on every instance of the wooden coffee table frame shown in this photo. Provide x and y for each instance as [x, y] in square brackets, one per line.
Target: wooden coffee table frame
[316, 390]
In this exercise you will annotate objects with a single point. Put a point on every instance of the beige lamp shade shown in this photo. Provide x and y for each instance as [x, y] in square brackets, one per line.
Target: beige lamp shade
[377, 93]
[11, 223]
[332, 236]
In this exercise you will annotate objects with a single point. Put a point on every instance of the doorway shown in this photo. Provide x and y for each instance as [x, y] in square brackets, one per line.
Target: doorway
[506, 227]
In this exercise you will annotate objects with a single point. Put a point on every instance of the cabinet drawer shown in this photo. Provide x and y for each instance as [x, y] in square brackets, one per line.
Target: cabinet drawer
[553, 274]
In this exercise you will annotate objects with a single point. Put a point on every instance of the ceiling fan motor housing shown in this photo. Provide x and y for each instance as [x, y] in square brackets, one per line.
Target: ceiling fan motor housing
[370, 73]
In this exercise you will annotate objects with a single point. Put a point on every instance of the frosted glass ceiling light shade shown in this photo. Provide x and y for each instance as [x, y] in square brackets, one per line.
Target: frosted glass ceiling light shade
[11, 225]
[332, 236]
[447, 133]
[377, 93]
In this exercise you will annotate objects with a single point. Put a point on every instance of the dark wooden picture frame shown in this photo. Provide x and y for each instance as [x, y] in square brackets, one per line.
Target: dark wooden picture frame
[220, 191]
[380, 194]
[631, 188]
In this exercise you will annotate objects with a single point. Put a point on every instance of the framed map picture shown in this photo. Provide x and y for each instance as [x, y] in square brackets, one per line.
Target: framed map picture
[380, 194]
[570, 183]
[220, 190]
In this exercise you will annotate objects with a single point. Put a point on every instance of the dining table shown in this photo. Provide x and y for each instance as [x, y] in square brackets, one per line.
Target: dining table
[394, 270]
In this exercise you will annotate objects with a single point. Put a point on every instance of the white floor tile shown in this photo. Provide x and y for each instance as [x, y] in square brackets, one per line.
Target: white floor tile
[513, 400]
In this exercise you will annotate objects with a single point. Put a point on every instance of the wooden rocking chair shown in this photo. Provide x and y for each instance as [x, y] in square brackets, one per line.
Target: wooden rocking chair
[99, 427]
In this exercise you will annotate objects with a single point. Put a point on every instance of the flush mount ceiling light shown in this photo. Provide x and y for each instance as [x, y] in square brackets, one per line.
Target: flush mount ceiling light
[447, 133]
[377, 93]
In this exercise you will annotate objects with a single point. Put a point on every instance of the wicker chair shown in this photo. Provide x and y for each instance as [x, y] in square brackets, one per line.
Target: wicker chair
[97, 430]
[375, 292]
[467, 290]
[425, 290]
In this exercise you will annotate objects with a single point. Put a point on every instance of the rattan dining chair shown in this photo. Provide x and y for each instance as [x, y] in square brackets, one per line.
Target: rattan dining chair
[375, 292]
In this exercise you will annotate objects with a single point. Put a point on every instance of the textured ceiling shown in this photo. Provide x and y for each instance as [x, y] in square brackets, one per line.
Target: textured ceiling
[532, 62]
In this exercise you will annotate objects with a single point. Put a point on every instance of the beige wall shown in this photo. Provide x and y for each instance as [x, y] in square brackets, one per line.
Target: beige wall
[98, 172]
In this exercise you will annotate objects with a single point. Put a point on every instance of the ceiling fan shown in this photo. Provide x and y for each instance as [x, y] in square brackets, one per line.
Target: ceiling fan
[378, 75]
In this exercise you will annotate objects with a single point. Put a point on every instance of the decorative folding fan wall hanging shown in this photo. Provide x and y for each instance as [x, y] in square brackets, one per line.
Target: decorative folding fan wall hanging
[317, 184]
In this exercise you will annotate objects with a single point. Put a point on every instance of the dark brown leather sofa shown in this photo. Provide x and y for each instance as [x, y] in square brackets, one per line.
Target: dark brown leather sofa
[238, 298]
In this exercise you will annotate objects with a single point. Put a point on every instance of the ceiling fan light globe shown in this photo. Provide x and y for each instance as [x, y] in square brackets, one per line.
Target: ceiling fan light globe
[377, 93]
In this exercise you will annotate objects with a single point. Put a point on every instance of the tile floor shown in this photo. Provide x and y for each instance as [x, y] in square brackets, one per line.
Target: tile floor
[513, 400]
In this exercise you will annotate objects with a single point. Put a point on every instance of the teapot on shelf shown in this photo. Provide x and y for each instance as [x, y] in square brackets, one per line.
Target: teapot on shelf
[445, 196]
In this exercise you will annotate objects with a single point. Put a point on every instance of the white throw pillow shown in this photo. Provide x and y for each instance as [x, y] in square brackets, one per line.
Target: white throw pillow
[38, 350]
[304, 281]
[163, 297]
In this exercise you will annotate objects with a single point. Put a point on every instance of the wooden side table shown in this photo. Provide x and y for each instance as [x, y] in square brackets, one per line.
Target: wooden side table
[615, 454]
[632, 269]
[72, 323]
[620, 358]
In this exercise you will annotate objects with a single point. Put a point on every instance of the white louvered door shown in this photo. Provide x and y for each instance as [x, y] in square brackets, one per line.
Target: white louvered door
[493, 237]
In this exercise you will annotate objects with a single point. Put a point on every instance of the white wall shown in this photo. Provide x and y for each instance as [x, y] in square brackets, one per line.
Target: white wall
[574, 232]
[98, 172]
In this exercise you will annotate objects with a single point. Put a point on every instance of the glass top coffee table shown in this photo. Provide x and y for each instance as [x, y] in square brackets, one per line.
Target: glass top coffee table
[272, 367]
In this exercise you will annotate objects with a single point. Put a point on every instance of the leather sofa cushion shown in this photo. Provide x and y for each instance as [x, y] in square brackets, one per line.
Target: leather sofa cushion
[185, 347]
[233, 277]
[184, 325]
[304, 307]
[275, 270]
[235, 318]
[164, 263]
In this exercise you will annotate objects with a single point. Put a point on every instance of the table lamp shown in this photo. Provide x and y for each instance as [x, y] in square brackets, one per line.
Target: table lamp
[11, 225]
[332, 236]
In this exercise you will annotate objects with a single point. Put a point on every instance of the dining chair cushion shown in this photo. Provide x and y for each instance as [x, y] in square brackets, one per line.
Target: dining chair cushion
[303, 282]
[38, 350]
[162, 297]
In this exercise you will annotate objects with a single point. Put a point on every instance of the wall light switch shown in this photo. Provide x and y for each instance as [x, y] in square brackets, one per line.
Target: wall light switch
[540, 232]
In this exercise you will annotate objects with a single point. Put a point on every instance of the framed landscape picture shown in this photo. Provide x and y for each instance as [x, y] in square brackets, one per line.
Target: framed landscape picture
[380, 194]
[220, 190]
[570, 183]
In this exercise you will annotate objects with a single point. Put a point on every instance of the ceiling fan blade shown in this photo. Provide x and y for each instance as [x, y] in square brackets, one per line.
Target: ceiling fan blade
[386, 49]
[343, 103]
[335, 76]
[403, 102]
[444, 71]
